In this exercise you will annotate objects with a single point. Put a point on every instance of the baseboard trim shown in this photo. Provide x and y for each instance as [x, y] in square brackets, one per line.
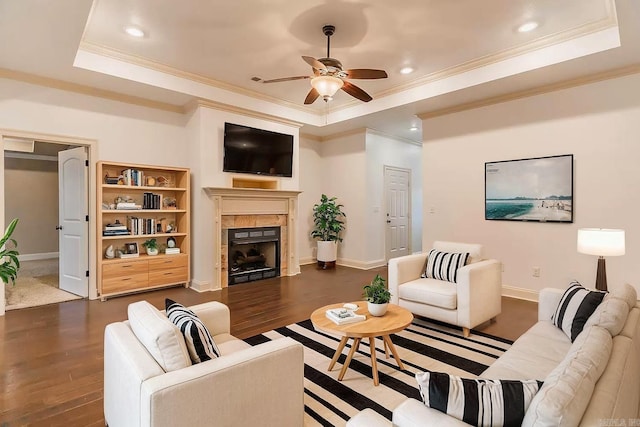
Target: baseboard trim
[519, 293]
[361, 265]
[307, 260]
[37, 257]
[200, 286]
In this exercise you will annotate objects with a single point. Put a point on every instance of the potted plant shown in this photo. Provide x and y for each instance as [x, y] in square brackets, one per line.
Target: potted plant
[9, 256]
[151, 246]
[377, 296]
[327, 221]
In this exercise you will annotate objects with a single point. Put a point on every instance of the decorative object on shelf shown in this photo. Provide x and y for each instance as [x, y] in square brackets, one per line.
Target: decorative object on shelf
[130, 250]
[169, 203]
[377, 296]
[9, 255]
[601, 242]
[110, 252]
[171, 242]
[150, 181]
[171, 228]
[151, 246]
[164, 181]
[327, 220]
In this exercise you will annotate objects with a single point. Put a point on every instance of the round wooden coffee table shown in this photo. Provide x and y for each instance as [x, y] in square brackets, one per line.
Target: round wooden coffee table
[394, 320]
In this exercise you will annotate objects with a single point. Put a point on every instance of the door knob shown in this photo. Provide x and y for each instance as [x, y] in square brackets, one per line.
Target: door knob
[388, 221]
[58, 227]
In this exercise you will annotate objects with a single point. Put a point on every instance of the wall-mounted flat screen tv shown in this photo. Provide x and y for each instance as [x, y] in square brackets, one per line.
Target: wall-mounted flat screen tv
[257, 151]
[538, 189]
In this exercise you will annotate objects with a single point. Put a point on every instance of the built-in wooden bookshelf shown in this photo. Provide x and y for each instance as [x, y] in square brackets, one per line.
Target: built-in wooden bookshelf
[137, 203]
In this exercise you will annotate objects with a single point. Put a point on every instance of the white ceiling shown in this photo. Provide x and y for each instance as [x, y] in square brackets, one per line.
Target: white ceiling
[462, 50]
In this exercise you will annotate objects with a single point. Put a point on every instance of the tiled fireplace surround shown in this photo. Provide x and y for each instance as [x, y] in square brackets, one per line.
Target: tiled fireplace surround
[247, 208]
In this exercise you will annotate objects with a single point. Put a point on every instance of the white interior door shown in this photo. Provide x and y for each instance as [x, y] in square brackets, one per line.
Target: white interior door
[74, 224]
[398, 202]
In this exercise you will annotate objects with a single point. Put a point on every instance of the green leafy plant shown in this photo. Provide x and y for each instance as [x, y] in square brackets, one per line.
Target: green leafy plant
[376, 292]
[150, 244]
[327, 219]
[9, 256]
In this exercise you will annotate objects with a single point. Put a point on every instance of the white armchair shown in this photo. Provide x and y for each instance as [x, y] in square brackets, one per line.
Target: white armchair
[476, 297]
[260, 385]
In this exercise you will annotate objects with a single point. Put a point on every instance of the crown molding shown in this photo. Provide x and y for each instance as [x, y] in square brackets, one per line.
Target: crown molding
[310, 137]
[395, 138]
[199, 78]
[88, 90]
[45, 137]
[553, 87]
[205, 103]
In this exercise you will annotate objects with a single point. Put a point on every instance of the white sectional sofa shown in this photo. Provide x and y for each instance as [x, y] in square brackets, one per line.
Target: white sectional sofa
[593, 382]
[148, 381]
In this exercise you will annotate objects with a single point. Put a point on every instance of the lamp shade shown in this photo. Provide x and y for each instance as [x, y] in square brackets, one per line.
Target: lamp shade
[601, 241]
[327, 86]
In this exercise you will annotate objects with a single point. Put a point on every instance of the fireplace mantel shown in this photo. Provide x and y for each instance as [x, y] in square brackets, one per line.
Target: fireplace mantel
[261, 205]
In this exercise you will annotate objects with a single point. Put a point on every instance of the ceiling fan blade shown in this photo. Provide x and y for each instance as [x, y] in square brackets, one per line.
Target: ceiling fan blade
[286, 79]
[356, 92]
[311, 96]
[314, 63]
[366, 73]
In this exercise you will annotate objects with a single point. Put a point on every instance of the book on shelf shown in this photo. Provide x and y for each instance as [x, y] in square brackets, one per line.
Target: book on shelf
[124, 232]
[128, 205]
[342, 316]
[172, 251]
[129, 255]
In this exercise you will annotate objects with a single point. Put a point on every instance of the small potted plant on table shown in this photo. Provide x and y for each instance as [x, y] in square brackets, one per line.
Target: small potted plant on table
[377, 296]
[151, 246]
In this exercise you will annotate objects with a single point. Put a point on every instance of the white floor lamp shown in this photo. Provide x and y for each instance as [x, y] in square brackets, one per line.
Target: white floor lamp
[601, 242]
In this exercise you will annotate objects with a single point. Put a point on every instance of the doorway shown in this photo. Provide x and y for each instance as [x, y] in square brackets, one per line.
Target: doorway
[33, 194]
[397, 191]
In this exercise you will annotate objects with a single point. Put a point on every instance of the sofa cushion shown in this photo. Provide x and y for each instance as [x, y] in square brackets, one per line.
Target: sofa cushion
[575, 307]
[534, 355]
[627, 293]
[567, 390]
[479, 402]
[159, 336]
[199, 341]
[430, 291]
[444, 265]
[611, 314]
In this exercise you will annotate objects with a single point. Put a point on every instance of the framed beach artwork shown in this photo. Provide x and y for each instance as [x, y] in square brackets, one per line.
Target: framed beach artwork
[538, 189]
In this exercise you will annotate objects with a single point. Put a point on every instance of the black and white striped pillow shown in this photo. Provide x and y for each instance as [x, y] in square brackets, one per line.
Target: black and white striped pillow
[479, 402]
[576, 306]
[196, 335]
[444, 265]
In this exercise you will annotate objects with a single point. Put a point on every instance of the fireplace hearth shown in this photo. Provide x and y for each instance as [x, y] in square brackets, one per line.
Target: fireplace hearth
[253, 254]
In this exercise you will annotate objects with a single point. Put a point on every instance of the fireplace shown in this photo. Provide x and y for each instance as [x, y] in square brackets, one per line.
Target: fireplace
[253, 254]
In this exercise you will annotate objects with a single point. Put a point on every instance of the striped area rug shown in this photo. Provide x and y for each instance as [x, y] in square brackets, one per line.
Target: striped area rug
[422, 346]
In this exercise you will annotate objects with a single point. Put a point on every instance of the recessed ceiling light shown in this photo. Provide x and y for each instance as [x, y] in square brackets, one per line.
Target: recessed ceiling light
[528, 26]
[413, 128]
[406, 70]
[134, 31]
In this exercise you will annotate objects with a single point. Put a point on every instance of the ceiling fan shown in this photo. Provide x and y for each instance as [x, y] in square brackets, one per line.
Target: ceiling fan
[328, 76]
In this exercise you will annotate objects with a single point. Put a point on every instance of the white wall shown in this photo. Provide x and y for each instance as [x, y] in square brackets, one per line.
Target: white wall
[385, 151]
[598, 123]
[343, 175]
[311, 185]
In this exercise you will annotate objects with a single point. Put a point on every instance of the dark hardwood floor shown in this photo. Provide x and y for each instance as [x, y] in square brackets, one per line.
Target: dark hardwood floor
[51, 357]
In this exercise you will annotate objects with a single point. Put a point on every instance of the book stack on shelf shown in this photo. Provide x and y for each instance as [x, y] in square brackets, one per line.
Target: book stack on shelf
[172, 251]
[142, 225]
[133, 177]
[115, 229]
[151, 201]
[128, 206]
[342, 316]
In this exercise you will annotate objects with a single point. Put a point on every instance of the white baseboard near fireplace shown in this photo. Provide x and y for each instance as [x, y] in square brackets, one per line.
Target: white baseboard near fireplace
[307, 260]
[201, 286]
[36, 257]
[519, 293]
[361, 265]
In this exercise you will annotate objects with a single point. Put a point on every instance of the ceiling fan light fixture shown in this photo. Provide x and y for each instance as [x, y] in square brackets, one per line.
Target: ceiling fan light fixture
[326, 86]
[134, 31]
